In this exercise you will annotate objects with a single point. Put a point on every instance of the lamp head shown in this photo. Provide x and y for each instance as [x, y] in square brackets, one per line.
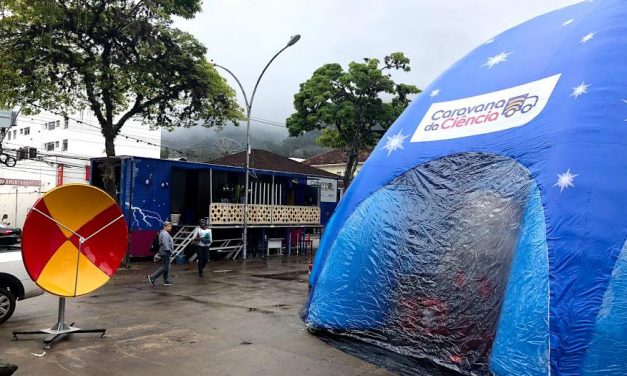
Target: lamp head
[293, 40]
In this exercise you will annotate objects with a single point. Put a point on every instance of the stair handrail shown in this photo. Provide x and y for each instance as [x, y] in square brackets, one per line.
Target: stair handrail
[179, 248]
[188, 239]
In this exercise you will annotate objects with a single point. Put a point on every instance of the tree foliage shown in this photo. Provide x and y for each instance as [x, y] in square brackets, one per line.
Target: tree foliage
[350, 107]
[121, 59]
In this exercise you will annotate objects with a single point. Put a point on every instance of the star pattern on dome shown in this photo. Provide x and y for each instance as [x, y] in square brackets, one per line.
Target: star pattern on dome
[586, 38]
[582, 88]
[496, 59]
[565, 180]
[394, 142]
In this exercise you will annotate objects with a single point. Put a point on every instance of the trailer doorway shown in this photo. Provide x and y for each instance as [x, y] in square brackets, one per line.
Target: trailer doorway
[190, 194]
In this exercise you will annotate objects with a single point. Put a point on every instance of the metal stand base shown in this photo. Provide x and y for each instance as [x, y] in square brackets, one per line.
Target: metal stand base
[60, 330]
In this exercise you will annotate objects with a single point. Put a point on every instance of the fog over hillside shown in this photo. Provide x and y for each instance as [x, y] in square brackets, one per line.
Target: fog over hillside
[204, 144]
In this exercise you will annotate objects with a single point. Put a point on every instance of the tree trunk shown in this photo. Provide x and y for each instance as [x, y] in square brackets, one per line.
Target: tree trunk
[108, 176]
[351, 164]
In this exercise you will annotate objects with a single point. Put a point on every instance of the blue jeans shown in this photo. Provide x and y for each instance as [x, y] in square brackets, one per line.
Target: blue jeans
[164, 269]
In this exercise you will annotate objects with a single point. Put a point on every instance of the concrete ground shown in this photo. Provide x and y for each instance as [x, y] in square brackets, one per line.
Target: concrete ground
[241, 319]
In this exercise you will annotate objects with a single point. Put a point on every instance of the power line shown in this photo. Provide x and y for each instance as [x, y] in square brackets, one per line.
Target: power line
[46, 152]
[49, 162]
[137, 139]
[95, 126]
[90, 130]
[269, 122]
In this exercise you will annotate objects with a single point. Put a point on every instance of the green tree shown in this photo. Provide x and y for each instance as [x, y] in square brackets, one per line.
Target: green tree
[121, 59]
[348, 106]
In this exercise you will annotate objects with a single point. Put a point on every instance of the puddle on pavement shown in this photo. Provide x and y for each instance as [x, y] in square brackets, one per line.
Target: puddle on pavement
[281, 305]
[260, 310]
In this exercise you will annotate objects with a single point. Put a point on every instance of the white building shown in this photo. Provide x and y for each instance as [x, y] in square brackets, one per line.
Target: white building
[64, 147]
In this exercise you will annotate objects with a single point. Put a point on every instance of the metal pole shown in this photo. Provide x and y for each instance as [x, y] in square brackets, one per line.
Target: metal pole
[61, 316]
[127, 255]
[246, 179]
[263, 194]
[15, 218]
[249, 106]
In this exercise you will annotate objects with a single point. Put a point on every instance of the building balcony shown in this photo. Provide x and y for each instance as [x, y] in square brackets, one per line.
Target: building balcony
[222, 214]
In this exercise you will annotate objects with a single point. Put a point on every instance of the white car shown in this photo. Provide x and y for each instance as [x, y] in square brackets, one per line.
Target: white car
[15, 284]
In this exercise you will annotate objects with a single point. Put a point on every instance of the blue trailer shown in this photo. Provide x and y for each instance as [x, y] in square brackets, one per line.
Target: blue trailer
[298, 200]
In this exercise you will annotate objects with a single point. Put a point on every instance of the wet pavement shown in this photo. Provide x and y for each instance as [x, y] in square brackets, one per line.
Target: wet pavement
[240, 319]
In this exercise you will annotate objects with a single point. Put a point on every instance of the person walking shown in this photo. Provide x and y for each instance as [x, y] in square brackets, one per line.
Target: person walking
[202, 238]
[166, 247]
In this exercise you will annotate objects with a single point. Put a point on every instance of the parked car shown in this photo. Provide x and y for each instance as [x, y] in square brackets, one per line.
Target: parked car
[9, 235]
[15, 284]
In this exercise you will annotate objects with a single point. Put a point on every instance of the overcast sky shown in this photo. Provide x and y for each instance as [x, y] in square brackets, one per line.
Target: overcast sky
[244, 35]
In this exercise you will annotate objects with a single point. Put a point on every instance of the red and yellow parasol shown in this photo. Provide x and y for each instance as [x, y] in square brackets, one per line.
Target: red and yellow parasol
[74, 240]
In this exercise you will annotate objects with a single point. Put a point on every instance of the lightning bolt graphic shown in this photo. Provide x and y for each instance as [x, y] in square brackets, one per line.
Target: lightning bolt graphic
[145, 216]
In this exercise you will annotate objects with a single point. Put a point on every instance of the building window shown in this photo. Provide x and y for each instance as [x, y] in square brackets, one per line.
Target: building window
[22, 131]
[56, 144]
[14, 133]
[57, 124]
[26, 131]
[9, 136]
[51, 125]
[64, 145]
[49, 146]
[66, 123]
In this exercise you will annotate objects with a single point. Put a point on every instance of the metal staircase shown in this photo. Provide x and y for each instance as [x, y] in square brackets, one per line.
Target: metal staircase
[232, 248]
[182, 238]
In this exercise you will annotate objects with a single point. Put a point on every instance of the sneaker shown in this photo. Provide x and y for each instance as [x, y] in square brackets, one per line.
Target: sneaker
[152, 281]
[168, 283]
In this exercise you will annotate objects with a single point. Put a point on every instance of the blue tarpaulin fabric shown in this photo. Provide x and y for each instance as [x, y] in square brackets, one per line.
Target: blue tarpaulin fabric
[485, 233]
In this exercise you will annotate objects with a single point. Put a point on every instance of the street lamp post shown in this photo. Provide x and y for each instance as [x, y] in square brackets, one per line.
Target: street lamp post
[249, 106]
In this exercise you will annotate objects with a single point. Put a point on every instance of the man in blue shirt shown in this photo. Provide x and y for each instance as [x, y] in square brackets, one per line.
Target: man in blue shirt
[166, 247]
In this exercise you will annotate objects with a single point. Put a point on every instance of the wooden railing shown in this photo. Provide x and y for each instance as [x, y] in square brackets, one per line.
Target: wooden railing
[233, 214]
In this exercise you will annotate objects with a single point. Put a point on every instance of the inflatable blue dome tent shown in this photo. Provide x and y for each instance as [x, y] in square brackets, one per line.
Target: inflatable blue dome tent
[486, 232]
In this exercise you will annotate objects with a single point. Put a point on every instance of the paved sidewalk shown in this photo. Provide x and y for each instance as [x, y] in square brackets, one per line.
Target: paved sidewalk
[240, 319]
